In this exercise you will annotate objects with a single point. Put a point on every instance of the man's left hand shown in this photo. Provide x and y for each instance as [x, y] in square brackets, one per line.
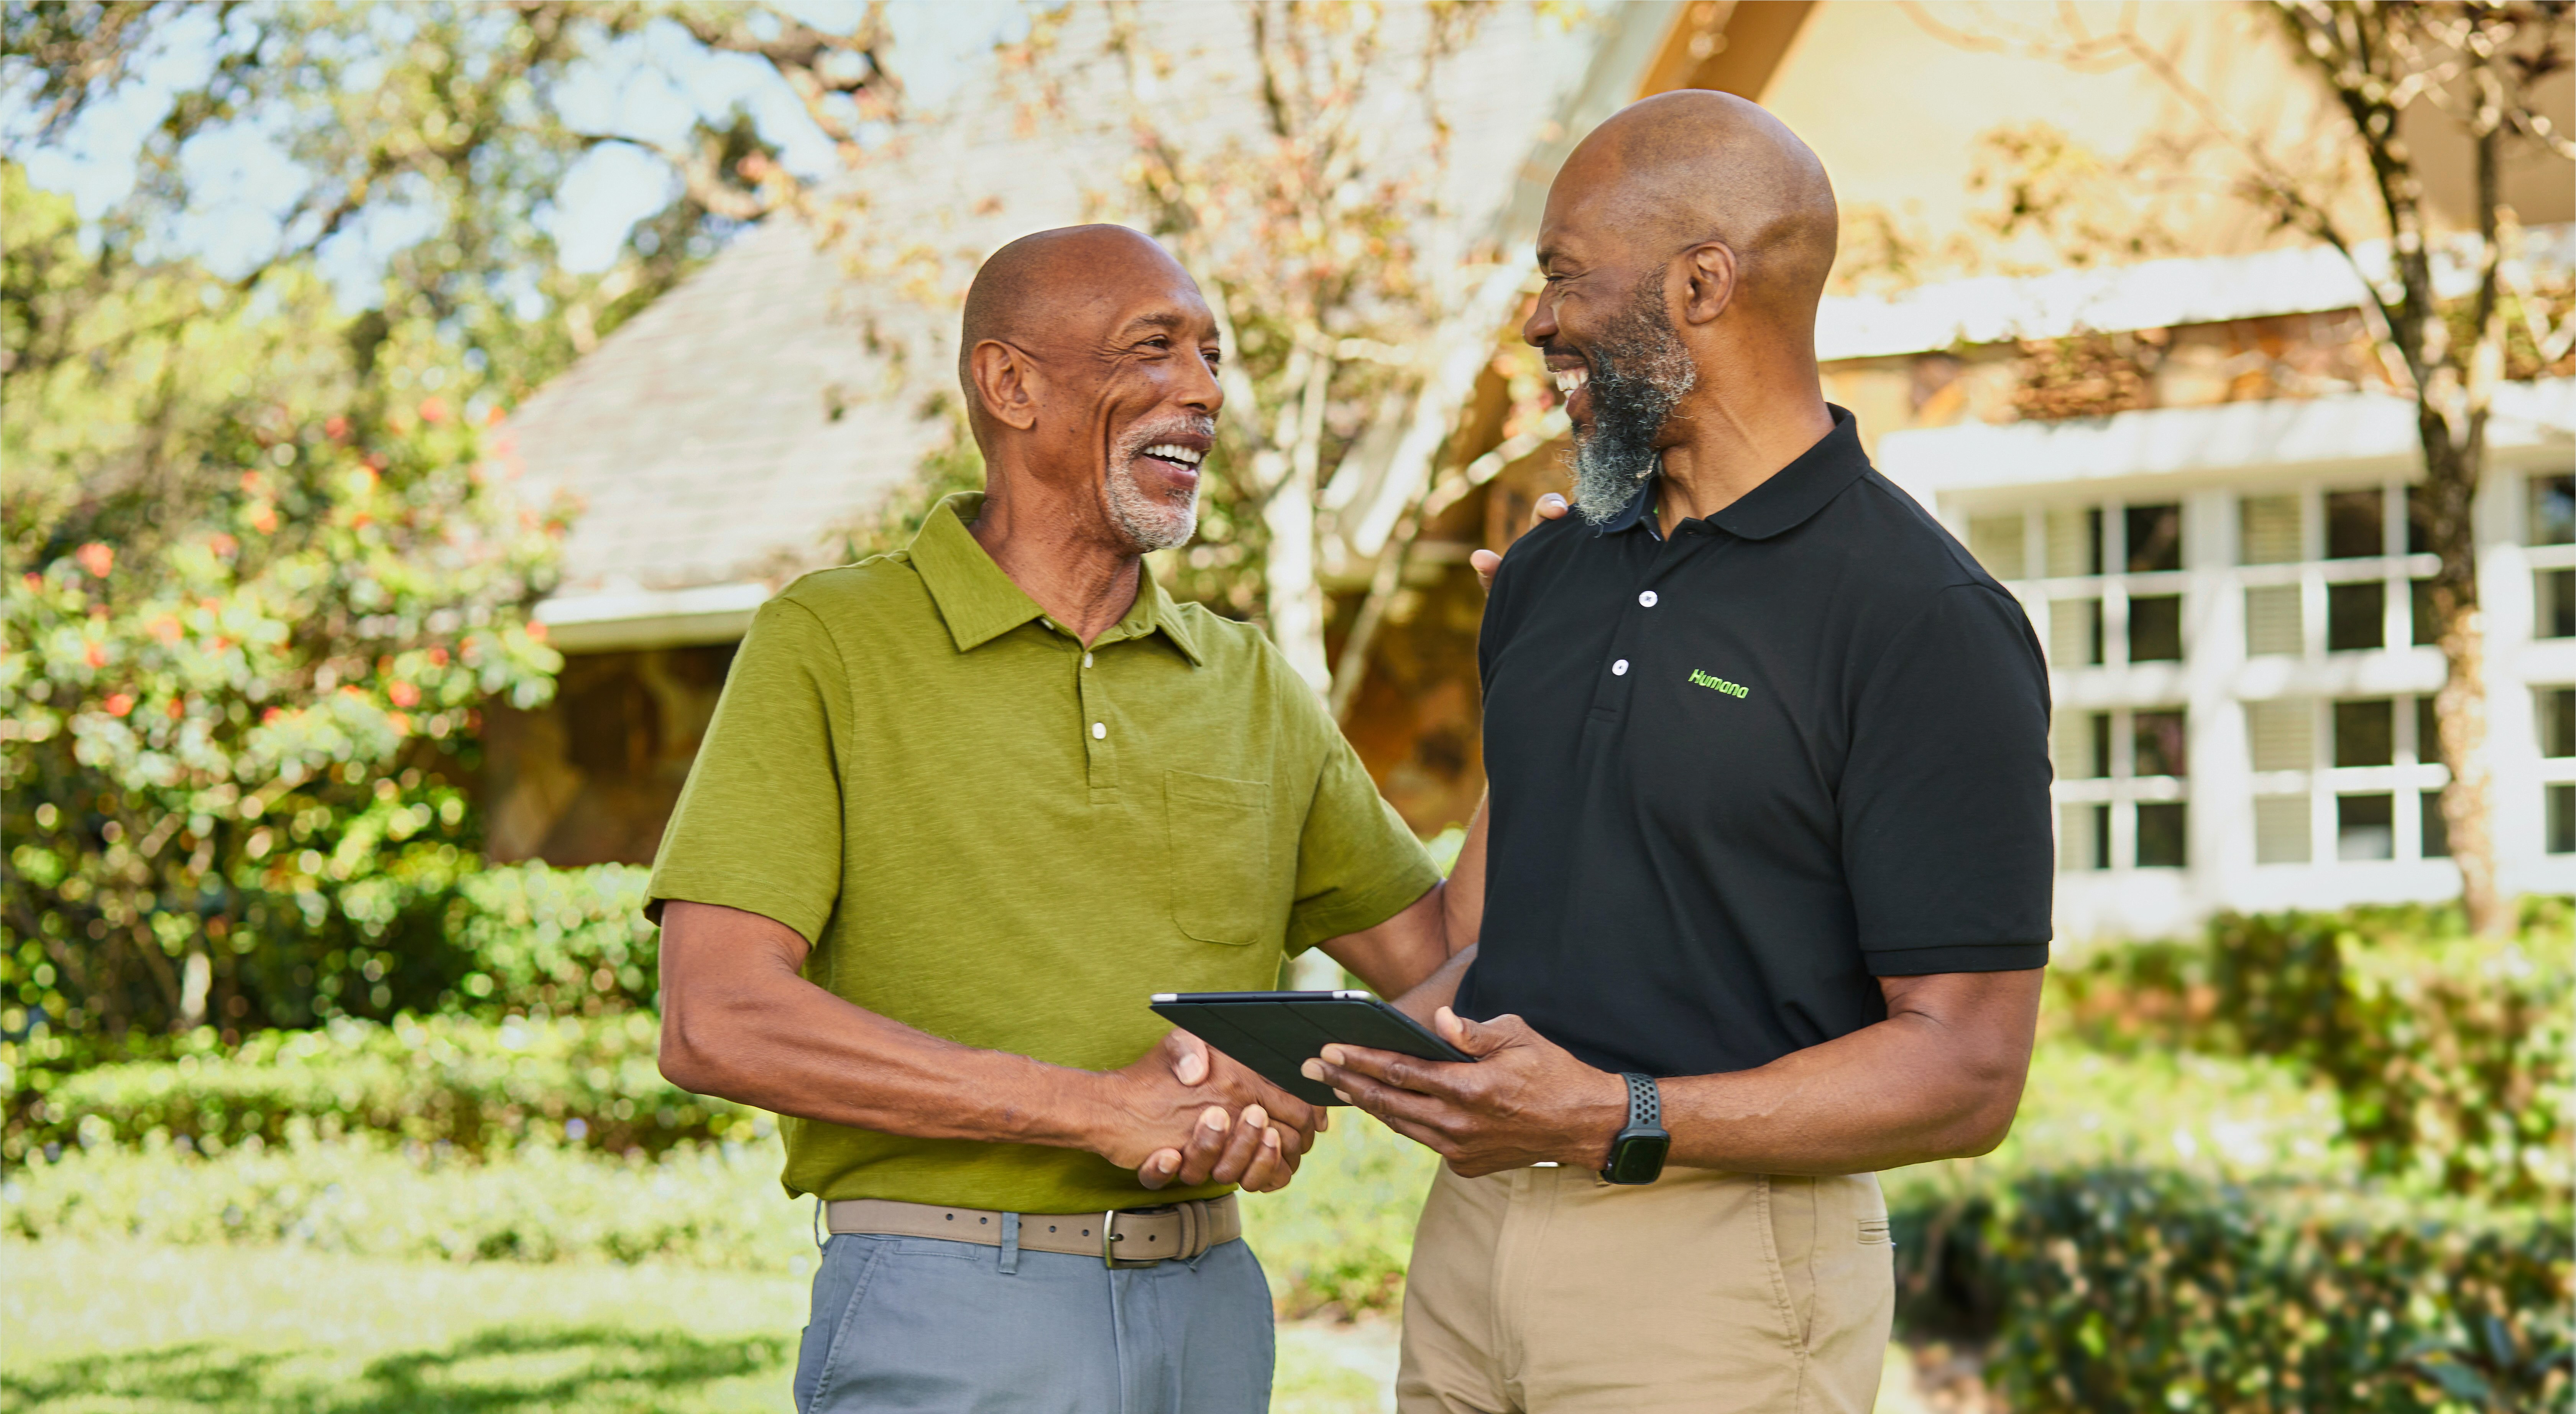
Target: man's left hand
[1525, 1101]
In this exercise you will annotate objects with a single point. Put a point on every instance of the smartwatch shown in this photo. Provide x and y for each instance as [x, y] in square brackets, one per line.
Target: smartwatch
[1637, 1155]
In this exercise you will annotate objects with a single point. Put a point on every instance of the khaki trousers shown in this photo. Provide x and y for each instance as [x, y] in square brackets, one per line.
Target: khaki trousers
[1547, 1291]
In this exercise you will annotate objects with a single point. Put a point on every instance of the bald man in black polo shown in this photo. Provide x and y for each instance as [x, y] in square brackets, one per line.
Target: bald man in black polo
[1766, 865]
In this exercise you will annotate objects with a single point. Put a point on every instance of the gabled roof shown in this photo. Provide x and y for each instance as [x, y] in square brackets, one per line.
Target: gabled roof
[714, 440]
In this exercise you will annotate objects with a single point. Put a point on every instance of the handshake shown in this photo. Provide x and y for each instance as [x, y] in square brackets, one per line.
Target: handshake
[1184, 1114]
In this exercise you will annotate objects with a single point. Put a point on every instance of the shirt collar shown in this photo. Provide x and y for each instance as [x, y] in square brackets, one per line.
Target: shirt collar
[980, 603]
[1781, 503]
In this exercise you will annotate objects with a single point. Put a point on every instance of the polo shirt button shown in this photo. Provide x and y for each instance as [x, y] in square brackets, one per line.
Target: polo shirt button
[1619, 669]
[1647, 598]
[1086, 660]
[1099, 731]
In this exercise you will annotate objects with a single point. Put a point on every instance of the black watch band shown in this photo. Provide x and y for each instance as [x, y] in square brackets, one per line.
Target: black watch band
[1645, 1102]
[1637, 1154]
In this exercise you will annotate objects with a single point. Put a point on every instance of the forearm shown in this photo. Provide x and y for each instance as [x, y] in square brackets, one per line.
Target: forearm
[1907, 1090]
[1438, 990]
[786, 1045]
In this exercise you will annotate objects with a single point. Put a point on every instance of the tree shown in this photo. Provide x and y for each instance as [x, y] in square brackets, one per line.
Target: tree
[2473, 66]
[1309, 235]
[260, 581]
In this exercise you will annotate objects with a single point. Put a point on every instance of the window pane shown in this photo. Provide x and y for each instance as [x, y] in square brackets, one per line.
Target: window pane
[2356, 616]
[2562, 819]
[2272, 619]
[1996, 541]
[2268, 530]
[2553, 510]
[2083, 838]
[2280, 829]
[2437, 831]
[2155, 538]
[2365, 827]
[2160, 834]
[2419, 610]
[2556, 611]
[2074, 632]
[2159, 744]
[2074, 542]
[2155, 628]
[2365, 733]
[2419, 521]
[2083, 746]
[2352, 524]
[2281, 736]
[2557, 713]
[2428, 732]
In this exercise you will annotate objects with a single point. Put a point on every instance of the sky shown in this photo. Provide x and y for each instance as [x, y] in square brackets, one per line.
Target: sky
[646, 86]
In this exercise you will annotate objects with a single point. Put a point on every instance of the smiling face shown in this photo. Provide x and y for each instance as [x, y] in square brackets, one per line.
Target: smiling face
[1605, 325]
[1090, 366]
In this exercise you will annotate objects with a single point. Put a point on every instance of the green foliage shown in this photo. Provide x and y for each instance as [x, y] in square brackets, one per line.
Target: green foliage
[2449, 1055]
[2131, 1290]
[708, 1206]
[1336, 1241]
[260, 582]
[544, 942]
[458, 1084]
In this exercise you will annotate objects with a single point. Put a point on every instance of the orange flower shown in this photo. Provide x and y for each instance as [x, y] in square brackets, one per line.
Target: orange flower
[119, 703]
[98, 559]
[166, 629]
[438, 657]
[95, 655]
[402, 723]
[404, 694]
[178, 709]
[335, 427]
[263, 518]
[222, 544]
[433, 410]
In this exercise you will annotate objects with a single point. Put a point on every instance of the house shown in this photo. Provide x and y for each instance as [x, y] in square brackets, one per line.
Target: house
[2175, 449]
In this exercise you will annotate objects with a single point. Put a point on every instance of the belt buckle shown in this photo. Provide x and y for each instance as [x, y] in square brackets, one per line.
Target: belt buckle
[1110, 1237]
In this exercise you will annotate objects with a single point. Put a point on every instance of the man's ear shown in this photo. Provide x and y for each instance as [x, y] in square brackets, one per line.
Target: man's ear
[1709, 274]
[1006, 383]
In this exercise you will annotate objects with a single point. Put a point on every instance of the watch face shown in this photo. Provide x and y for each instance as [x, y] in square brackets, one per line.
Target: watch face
[1637, 1158]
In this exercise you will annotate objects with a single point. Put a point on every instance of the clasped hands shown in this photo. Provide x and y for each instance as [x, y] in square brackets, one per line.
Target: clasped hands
[1241, 1128]
[1525, 1101]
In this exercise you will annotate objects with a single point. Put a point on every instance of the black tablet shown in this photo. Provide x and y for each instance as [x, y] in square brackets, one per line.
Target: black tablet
[1273, 1033]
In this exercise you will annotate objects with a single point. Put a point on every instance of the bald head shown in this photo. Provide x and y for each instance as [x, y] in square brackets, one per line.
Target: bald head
[1088, 360]
[1050, 284]
[1695, 165]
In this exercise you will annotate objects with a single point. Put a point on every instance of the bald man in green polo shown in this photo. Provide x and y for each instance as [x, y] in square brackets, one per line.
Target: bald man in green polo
[963, 807]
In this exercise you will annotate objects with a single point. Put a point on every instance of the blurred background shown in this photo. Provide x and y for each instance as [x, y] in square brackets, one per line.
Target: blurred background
[405, 407]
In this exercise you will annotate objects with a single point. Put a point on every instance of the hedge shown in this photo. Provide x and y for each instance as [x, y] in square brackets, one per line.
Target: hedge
[444, 1080]
[2121, 1290]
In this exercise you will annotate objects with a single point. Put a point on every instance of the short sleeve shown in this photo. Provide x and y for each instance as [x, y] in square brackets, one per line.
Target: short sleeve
[1358, 864]
[1947, 840]
[758, 826]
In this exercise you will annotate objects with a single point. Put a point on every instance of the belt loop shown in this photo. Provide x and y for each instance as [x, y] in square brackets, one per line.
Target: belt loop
[818, 1222]
[1010, 1244]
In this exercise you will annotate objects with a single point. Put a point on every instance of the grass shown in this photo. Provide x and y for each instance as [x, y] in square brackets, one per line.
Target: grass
[142, 1327]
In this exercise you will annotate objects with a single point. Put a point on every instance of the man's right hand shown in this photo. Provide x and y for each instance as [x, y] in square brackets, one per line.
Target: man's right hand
[1550, 507]
[1185, 1114]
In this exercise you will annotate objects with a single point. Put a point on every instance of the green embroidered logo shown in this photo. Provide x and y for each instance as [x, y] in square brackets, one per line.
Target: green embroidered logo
[1716, 683]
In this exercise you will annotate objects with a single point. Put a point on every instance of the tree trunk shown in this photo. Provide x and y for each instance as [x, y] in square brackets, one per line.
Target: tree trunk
[2460, 709]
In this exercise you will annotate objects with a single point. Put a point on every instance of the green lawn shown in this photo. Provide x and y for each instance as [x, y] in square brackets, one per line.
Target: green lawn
[140, 1328]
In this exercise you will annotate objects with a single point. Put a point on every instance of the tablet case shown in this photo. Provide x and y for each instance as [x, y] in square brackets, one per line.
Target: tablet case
[1273, 1033]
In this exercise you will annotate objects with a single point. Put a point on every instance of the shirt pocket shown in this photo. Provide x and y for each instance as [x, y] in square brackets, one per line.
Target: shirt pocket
[1219, 837]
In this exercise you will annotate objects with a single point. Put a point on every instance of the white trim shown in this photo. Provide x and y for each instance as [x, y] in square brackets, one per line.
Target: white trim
[2155, 294]
[650, 618]
[2372, 431]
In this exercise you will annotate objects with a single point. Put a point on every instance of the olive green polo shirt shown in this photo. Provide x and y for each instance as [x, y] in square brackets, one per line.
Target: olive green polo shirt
[1001, 837]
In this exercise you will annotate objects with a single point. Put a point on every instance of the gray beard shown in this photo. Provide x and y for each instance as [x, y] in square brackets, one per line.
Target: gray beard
[1640, 372]
[1146, 522]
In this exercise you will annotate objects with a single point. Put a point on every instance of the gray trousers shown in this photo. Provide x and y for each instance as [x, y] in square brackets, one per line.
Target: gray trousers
[915, 1325]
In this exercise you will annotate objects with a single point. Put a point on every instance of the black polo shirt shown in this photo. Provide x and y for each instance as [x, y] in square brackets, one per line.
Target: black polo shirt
[1740, 772]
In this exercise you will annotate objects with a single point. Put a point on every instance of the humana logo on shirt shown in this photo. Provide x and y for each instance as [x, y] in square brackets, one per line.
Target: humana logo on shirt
[1715, 683]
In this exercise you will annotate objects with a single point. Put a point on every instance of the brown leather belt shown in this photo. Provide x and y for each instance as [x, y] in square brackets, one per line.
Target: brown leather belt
[1129, 1237]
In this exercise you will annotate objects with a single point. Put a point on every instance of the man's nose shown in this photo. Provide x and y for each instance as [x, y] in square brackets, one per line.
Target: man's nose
[1203, 392]
[1540, 327]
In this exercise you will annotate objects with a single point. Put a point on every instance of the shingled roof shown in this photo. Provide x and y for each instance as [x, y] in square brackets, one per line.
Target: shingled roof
[713, 441]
